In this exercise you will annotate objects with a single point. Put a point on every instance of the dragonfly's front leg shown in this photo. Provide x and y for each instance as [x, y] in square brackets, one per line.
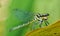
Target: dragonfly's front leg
[46, 22]
[40, 23]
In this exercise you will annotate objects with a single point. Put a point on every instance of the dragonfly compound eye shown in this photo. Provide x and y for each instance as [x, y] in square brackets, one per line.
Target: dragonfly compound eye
[47, 14]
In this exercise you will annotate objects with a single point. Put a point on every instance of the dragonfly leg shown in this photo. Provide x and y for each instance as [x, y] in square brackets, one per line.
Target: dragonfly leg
[46, 22]
[40, 24]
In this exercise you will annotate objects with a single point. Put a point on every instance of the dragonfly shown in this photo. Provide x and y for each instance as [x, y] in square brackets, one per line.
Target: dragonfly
[37, 17]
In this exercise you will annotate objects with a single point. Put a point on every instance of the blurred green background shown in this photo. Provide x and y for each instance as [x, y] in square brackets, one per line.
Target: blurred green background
[29, 8]
[22, 11]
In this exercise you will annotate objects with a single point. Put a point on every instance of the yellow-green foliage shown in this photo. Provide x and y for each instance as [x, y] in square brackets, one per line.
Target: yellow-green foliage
[51, 30]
